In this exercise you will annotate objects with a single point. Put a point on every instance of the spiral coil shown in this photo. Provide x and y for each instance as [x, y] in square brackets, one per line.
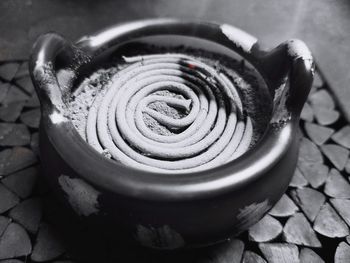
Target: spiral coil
[213, 132]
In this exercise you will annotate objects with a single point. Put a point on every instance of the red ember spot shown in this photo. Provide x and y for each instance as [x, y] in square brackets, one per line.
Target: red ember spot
[191, 66]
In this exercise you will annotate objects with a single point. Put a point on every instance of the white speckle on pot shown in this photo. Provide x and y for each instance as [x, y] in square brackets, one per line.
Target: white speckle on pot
[43, 74]
[57, 117]
[239, 37]
[161, 237]
[65, 79]
[250, 214]
[298, 49]
[281, 113]
[82, 197]
[46, 80]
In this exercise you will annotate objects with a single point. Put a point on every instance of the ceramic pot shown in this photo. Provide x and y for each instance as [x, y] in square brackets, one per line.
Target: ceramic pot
[169, 212]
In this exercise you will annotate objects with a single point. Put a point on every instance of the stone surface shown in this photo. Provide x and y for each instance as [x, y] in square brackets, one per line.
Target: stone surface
[325, 116]
[7, 199]
[23, 70]
[347, 166]
[309, 152]
[329, 224]
[307, 113]
[14, 242]
[15, 159]
[280, 252]
[322, 98]
[4, 88]
[4, 222]
[298, 180]
[284, 207]
[298, 231]
[342, 136]
[342, 206]
[267, 229]
[31, 118]
[11, 112]
[309, 200]
[336, 185]
[318, 134]
[28, 214]
[33, 101]
[251, 257]
[307, 255]
[315, 174]
[338, 155]
[22, 182]
[26, 83]
[14, 94]
[342, 254]
[8, 70]
[48, 245]
[13, 134]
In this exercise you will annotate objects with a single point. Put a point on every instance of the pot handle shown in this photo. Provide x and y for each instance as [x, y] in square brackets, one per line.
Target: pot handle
[46, 51]
[289, 69]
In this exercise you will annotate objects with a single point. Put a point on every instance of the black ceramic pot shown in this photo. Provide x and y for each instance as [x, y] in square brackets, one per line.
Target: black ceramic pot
[186, 210]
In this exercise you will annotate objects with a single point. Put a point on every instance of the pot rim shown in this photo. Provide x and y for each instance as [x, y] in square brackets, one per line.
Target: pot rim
[295, 64]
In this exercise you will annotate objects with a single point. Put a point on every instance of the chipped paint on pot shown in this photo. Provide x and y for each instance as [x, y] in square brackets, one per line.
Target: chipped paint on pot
[82, 197]
[57, 117]
[281, 113]
[159, 237]
[298, 49]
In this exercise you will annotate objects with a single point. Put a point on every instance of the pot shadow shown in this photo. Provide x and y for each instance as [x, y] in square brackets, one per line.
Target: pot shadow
[84, 244]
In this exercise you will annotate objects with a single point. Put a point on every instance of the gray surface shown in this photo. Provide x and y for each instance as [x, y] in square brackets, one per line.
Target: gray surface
[323, 24]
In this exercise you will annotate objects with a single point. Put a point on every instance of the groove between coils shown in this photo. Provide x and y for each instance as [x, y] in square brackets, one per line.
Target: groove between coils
[214, 131]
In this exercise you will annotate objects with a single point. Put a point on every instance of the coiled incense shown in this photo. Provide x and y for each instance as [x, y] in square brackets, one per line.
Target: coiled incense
[213, 131]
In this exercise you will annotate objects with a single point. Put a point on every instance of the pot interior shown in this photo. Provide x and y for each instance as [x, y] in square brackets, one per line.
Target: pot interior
[251, 87]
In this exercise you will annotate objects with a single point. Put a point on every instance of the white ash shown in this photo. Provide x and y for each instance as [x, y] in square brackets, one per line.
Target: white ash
[255, 99]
